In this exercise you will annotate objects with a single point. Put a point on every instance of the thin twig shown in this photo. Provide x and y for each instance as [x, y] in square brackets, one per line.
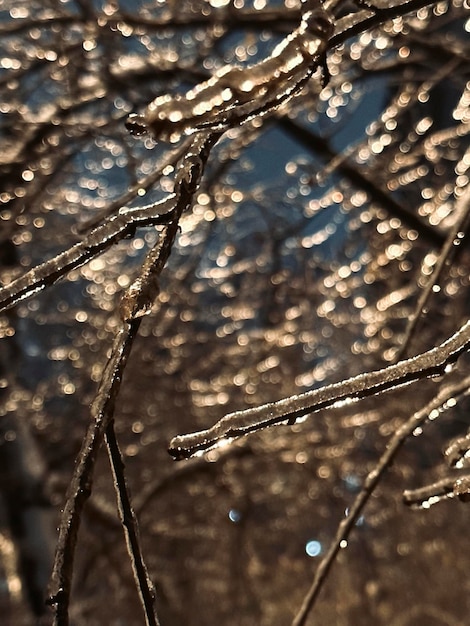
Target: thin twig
[444, 489]
[170, 158]
[131, 530]
[80, 486]
[136, 302]
[430, 363]
[370, 483]
[453, 240]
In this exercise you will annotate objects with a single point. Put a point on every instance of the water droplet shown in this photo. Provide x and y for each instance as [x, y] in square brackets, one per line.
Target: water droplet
[352, 483]
[313, 548]
[429, 502]
[461, 489]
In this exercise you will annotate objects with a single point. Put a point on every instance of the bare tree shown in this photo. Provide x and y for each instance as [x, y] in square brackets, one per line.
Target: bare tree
[234, 232]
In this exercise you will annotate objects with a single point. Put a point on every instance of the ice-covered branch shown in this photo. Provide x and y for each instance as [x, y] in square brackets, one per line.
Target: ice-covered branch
[135, 302]
[236, 94]
[457, 455]
[430, 363]
[370, 483]
[112, 230]
[130, 525]
[80, 486]
[444, 489]
[374, 14]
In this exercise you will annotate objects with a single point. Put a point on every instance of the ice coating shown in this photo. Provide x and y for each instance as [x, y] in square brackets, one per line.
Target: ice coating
[112, 230]
[430, 363]
[235, 94]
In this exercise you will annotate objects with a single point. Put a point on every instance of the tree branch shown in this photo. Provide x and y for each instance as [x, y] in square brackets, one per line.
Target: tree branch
[370, 483]
[135, 304]
[453, 240]
[430, 363]
[131, 529]
[235, 94]
[112, 230]
[80, 486]
[444, 489]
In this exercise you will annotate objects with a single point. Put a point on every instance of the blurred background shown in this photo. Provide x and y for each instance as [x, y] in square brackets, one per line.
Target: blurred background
[310, 241]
